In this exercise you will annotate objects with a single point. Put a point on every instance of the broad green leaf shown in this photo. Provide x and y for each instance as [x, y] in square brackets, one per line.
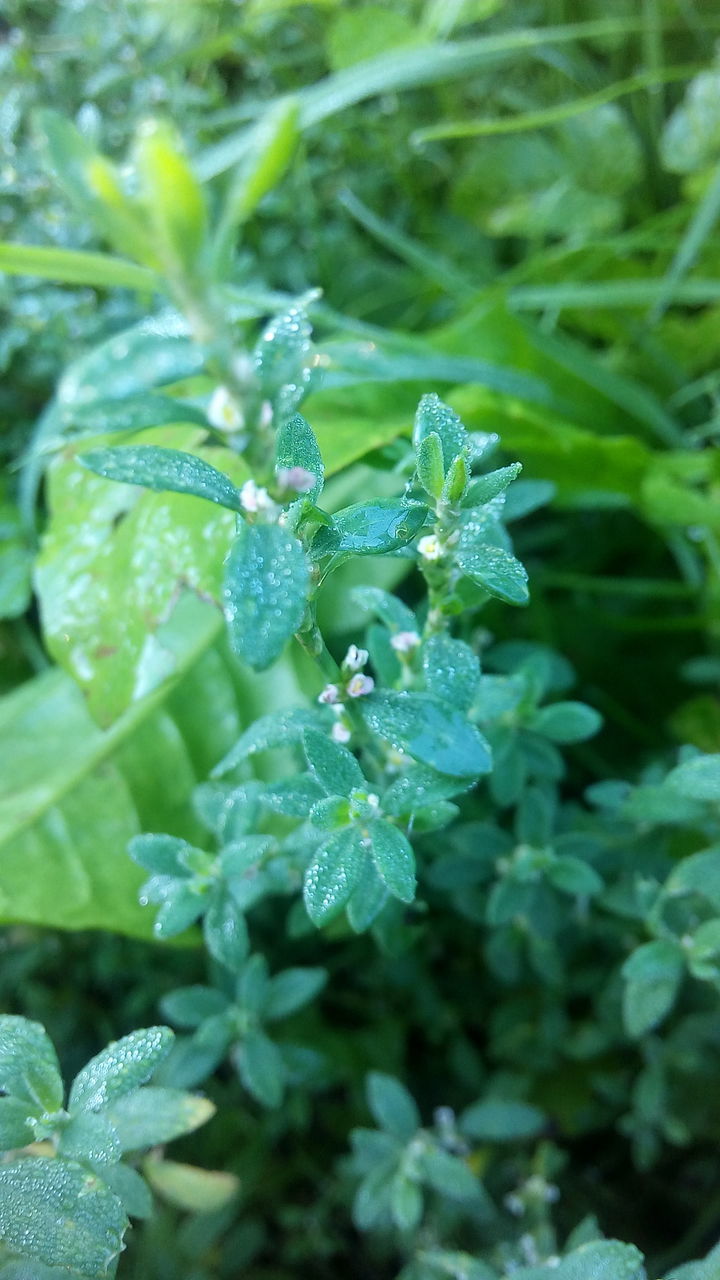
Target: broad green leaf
[370, 528]
[406, 1202]
[149, 1116]
[566, 722]
[297, 447]
[163, 855]
[29, 1068]
[498, 1120]
[15, 1130]
[261, 1069]
[698, 873]
[451, 669]
[652, 974]
[282, 361]
[290, 990]
[90, 1139]
[394, 859]
[278, 729]
[573, 876]
[435, 418]
[58, 1213]
[368, 899]
[334, 873]
[449, 1175]
[162, 470]
[120, 1068]
[418, 787]
[391, 611]
[392, 1106]
[429, 730]
[191, 1189]
[189, 1006]
[130, 413]
[69, 266]
[130, 1188]
[601, 1260]
[335, 768]
[496, 571]
[264, 592]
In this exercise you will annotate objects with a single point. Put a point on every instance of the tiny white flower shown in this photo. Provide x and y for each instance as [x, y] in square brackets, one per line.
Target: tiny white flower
[430, 547]
[340, 732]
[330, 695]
[372, 800]
[359, 686]
[299, 479]
[224, 412]
[355, 658]
[254, 498]
[405, 641]
[265, 418]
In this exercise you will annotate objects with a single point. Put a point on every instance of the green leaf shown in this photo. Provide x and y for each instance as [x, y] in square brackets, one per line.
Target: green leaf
[392, 1107]
[566, 722]
[225, 931]
[429, 730]
[698, 873]
[130, 1188]
[282, 361]
[703, 955]
[29, 1068]
[90, 1139]
[368, 899]
[652, 974]
[15, 1130]
[173, 198]
[335, 768]
[189, 1006]
[498, 1120]
[698, 779]
[370, 528]
[334, 873]
[278, 729]
[151, 1115]
[297, 447]
[406, 1202]
[120, 1068]
[600, 1260]
[394, 860]
[496, 571]
[58, 1213]
[267, 154]
[435, 418]
[161, 469]
[69, 266]
[160, 854]
[484, 488]
[430, 464]
[573, 876]
[261, 1068]
[195, 1190]
[290, 990]
[449, 1175]
[130, 413]
[390, 610]
[265, 592]
[451, 669]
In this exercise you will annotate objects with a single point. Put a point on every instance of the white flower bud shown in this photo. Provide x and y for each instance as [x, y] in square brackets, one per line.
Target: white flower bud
[359, 686]
[224, 412]
[330, 695]
[254, 498]
[355, 658]
[430, 547]
[405, 641]
[340, 732]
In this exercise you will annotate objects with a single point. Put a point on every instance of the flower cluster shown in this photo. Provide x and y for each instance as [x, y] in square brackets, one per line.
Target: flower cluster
[353, 683]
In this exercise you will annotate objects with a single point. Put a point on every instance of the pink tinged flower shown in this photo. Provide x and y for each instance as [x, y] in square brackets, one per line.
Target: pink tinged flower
[359, 686]
[355, 658]
[298, 479]
[254, 498]
[330, 695]
[340, 732]
[405, 641]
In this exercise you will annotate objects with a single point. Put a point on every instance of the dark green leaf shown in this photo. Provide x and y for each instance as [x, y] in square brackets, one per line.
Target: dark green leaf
[297, 447]
[484, 488]
[434, 417]
[496, 571]
[451, 669]
[334, 873]
[370, 528]
[496, 1120]
[652, 974]
[290, 990]
[261, 1068]
[449, 1175]
[121, 1067]
[335, 768]
[566, 722]
[394, 860]
[393, 1108]
[224, 930]
[29, 1067]
[149, 1116]
[429, 730]
[368, 899]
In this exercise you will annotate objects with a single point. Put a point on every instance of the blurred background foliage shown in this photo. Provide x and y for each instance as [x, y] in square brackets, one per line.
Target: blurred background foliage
[515, 204]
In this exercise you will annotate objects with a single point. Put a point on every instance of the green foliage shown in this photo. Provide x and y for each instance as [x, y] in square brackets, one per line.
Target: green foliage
[417, 866]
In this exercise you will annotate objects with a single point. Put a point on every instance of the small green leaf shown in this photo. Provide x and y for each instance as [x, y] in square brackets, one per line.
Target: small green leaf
[652, 974]
[130, 1188]
[434, 417]
[267, 156]
[430, 466]
[406, 1202]
[69, 266]
[265, 592]
[392, 1106]
[90, 1139]
[15, 1131]
[394, 860]
[335, 768]
[195, 1190]
[370, 528]
[451, 669]
[297, 447]
[224, 930]
[704, 952]
[390, 610]
[261, 1069]
[121, 1067]
[573, 876]
[160, 854]
[496, 571]
[151, 1115]
[190, 1006]
[698, 873]
[278, 729]
[497, 1120]
[58, 1213]
[29, 1068]
[173, 197]
[601, 1260]
[334, 873]
[449, 1175]
[566, 722]
[456, 481]
[163, 470]
[698, 779]
[429, 730]
[281, 361]
[290, 990]
[131, 413]
[484, 488]
[368, 899]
